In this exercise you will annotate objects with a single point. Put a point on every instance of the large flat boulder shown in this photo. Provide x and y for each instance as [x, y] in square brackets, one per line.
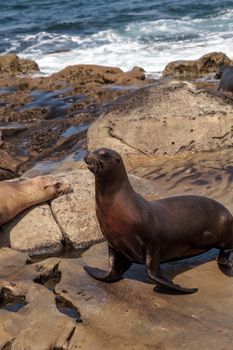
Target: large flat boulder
[165, 120]
[34, 231]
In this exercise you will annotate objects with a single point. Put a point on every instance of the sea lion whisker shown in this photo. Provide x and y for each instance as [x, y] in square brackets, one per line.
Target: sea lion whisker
[98, 162]
[95, 165]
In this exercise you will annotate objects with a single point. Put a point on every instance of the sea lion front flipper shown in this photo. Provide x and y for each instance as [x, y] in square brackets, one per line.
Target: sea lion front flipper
[153, 271]
[101, 275]
[118, 264]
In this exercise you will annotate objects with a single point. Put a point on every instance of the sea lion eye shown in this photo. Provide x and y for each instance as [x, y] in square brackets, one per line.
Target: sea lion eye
[57, 185]
[103, 154]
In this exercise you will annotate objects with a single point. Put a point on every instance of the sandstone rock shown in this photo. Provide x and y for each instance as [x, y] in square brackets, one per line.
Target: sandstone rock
[11, 261]
[34, 231]
[40, 324]
[85, 74]
[75, 213]
[7, 161]
[120, 316]
[12, 64]
[130, 315]
[189, 69]
[70, 219]
[164, 121]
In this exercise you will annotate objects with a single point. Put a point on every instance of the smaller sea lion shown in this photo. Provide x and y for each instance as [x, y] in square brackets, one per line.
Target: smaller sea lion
[225, 74]
[139, 231]
[22, 194]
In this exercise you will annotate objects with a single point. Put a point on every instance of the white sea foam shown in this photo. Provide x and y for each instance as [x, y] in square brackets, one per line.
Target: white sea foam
[150, 45]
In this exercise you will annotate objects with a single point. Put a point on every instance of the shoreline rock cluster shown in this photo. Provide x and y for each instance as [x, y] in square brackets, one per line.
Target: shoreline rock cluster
[54, 304]
[190, 69]
[158, 119]
[47, 117]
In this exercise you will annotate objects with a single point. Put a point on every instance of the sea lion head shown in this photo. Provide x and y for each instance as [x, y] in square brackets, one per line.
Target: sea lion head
[51, 187]
[104, 161]
[222, 69]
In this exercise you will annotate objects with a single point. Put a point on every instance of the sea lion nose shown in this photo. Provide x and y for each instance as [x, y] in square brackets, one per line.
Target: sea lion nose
[88, 158]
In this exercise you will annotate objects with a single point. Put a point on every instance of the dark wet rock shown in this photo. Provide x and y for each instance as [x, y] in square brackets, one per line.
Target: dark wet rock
[165, 120]
[46, 107]
[190, 69]
[12, 64]
[6, 174]
[11, 129]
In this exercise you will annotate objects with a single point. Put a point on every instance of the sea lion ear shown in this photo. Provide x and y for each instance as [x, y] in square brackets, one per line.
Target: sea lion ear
[118, 160]
[46, 186]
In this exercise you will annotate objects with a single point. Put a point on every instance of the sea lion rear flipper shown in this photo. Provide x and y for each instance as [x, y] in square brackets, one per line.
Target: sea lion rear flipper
[162, 281]
[153, 271]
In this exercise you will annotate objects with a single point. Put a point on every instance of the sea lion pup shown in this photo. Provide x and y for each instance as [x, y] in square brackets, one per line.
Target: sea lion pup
[225, 74]
[19, 195]
[139, 231]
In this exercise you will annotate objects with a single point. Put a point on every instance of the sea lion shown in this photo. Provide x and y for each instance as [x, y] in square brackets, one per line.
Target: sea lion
[225, 74]
[19, 195]
[139, 231]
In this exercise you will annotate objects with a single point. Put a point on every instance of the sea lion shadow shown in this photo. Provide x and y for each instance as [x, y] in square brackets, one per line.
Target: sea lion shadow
[173, 268]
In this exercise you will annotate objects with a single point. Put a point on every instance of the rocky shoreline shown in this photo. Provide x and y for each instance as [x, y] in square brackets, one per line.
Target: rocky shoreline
[175, 137]
[46, 118]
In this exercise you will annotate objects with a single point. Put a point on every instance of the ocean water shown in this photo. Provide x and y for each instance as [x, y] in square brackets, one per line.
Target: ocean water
[125, 34]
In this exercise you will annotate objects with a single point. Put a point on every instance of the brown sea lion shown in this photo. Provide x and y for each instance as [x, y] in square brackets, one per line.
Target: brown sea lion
[139, 231]
[225, 74]
[19, 195]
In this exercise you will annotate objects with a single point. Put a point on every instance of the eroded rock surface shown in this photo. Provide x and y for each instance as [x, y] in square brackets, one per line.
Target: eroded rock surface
[190, 69]
[165, 121]
[38, 324]
[125, 315]
[47, 117]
